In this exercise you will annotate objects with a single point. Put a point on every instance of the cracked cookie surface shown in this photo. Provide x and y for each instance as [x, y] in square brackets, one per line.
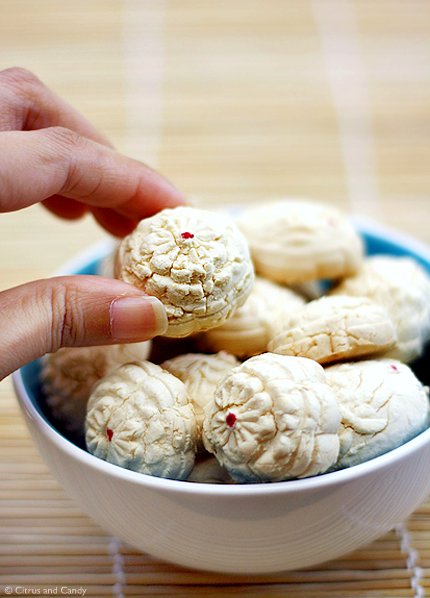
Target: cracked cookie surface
[274, 418]
[140, 417]
[334, 328]
[382, 406]
[252, 326]
[68, 376]
[195, 261]
[295, 241]
[402, 287]
[201, 374]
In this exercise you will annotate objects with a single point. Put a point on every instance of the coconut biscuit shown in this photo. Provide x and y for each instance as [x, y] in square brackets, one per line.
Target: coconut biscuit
[195, 261]
[201, 374]
[402, 287]
[140, 417]
[274, 418]
[251, 327]
[294, 241]
[382, 406]
[335, 328]
[68, 376]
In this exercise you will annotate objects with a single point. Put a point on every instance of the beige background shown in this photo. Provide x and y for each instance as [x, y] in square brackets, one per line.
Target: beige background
[235, 101]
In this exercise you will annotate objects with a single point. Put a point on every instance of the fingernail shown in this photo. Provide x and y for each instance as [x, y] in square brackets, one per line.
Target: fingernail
[137, 318]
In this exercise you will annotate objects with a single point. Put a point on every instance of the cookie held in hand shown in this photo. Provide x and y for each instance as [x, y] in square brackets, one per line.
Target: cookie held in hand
[195, 262]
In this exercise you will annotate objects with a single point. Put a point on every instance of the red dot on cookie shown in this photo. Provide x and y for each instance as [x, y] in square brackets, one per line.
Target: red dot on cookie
[394, 367]
[187, 235]
[230, 419]
[109, 434]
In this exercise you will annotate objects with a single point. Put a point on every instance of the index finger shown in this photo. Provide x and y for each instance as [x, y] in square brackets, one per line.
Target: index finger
[28, 104]
[38, 164]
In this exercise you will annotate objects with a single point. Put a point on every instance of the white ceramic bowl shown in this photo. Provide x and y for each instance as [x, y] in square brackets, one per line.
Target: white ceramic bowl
[258, 528]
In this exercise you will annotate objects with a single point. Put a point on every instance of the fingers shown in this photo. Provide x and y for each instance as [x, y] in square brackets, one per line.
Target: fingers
[44, 315]
[27, 104]
[36, 165]
[114, 223]
[65, 208]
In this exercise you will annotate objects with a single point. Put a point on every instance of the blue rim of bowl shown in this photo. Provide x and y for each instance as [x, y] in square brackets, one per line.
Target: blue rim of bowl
[394, 242]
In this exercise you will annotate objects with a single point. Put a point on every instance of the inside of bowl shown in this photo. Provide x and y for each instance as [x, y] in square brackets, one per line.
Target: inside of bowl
[374, 244]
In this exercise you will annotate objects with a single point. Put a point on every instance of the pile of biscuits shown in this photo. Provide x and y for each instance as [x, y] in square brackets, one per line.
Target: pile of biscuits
[285, 356]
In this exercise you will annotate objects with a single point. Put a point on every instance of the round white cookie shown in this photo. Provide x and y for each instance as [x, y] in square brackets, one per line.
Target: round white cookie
[209, 471]
[382, 405]
[140, 417]
[295, 241]
[402, 286]
[68, 376]
[334, 328]
[195, 261]
[201, 374]
[251, 327]
[274, 418]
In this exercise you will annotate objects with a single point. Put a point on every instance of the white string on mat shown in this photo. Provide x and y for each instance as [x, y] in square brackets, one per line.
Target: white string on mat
[337, 28]
[117, 567]
[143, 59]
[144, 66]
[412, 558]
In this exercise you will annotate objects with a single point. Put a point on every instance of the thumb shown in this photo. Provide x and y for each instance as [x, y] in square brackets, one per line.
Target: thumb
[41, 316]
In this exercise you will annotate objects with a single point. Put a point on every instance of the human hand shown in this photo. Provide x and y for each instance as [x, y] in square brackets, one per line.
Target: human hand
[49, 153]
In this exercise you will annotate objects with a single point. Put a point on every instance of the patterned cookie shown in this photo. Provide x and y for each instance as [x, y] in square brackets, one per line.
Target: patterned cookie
[251, 327]
[402, 287]
[201, 374]
[382, 405]
[210, 471]
[195, 261]
[274, 418]
[68, 376]
[334, 328]
[296, 241]
[141, 418]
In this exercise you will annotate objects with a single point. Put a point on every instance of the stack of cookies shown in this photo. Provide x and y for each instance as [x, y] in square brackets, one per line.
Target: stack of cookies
[296, 370]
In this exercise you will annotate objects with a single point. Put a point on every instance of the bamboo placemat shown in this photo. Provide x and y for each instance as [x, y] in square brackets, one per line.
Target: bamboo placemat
[235, 102]
[47, 543]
